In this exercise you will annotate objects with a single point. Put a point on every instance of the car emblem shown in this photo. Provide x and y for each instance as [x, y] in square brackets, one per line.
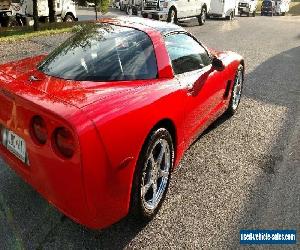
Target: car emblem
[33, 79]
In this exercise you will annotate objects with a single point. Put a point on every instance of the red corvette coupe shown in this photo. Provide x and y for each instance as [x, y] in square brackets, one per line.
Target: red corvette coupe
[98, 125]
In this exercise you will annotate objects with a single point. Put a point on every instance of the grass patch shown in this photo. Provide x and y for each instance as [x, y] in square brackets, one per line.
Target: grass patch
[23, 33]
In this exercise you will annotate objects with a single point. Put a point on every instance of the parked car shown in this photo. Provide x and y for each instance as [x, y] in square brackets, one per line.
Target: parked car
[99, 124]
[268, 8]
[247, 7]
[89, 4]
[223, 9]
[174, 10]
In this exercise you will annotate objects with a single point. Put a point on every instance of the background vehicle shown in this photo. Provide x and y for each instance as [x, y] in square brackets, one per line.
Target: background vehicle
[175, 10]
[223, 8]
[116, 4]
[282, 7]
[247, 7]
[268, 8]
[134, 6]
[77, 105]
[123, 4]
[8, 11]
[21, 12]
[89, 4]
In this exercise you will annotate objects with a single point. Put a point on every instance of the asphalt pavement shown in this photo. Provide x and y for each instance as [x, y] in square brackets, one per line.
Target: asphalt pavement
[242, 173]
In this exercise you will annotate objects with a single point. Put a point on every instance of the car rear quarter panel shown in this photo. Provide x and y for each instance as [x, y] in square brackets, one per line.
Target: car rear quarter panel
[123, 123]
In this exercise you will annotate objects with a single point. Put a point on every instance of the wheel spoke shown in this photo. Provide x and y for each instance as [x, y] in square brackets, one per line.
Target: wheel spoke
[145, 188]
[161, 154]
[152, 161]
[154, 187]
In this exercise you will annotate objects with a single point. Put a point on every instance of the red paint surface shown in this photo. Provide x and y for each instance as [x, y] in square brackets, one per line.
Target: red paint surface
[110, 121]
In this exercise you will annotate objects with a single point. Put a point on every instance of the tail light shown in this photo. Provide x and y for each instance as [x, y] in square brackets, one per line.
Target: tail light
[63, 142]
[38, 130]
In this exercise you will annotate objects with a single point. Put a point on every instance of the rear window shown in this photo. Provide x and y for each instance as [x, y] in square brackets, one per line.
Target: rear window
[267, 3]
[103, 52]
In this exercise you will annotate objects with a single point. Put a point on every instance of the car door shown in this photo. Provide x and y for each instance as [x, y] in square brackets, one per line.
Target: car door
[183, 8]
[204, 86]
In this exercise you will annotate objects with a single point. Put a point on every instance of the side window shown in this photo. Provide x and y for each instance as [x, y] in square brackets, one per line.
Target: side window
[185, 53]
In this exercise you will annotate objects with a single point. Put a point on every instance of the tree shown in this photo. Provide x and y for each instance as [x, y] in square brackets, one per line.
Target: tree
[101, 6]
[51, 11]
[35, 15]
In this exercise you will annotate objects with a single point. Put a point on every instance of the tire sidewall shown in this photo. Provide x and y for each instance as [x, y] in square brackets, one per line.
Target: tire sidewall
[172, 10]
[137, 207]
[231, 110]
[203, 12]
[69, 18]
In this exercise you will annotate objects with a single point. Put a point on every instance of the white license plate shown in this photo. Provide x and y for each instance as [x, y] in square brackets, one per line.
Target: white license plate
[150, 16]
[14, 143]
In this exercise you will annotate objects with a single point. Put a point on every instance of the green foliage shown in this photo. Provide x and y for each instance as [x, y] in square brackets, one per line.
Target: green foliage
[101, 5]
[104, 5]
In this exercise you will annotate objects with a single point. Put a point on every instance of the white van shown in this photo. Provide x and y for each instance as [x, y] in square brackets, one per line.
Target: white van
[223, 9]
[174, 10]
[20, 12]
[282, 7]
[247, 7]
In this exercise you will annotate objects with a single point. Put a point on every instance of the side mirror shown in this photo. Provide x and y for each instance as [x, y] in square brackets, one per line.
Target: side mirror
[217, 64]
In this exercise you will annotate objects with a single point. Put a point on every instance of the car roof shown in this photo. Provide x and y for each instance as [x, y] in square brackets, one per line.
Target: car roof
[144, 23]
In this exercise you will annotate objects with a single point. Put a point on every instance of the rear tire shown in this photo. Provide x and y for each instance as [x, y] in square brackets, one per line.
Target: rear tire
[68, 18]
[172, 16]
[202, 17]
[129, 11]
[152, 175]
[12, 22]
[236, 92]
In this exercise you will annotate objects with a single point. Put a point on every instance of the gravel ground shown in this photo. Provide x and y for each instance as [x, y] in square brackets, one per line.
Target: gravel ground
[242, 173]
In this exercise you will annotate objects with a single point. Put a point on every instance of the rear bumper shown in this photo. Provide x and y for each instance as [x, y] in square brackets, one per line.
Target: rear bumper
[244, 10]
[156, 15]
[69, 199]
[267, 11]
[215, 15]
[92, 194]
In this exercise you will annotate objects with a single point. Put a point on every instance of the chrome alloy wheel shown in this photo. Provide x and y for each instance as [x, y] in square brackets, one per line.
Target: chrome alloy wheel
[237, 90]
[155, 174]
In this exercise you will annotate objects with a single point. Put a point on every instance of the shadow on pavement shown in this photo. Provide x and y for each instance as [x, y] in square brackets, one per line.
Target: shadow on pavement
[274, 197]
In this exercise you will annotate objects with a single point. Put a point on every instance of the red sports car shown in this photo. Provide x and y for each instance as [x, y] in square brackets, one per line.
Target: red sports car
[97, 126]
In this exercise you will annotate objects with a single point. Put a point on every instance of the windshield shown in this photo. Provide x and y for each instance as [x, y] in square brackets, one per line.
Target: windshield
[103, 52]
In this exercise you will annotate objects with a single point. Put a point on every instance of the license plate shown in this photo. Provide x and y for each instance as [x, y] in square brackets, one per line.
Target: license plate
[14, 143]
[150, 16]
